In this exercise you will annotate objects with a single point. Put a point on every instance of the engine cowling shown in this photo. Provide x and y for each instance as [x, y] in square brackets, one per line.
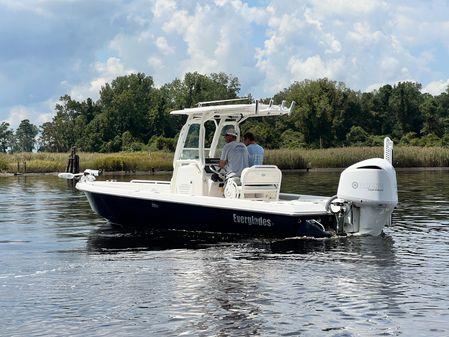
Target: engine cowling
[371, 189]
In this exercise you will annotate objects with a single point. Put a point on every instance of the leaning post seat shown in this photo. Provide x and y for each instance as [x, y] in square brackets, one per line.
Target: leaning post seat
[259, 182]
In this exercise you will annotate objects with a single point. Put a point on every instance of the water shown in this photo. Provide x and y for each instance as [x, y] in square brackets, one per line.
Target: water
[65, 272]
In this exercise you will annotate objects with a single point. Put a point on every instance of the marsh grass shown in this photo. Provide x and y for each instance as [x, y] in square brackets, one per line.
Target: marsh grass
[130, 161]
[403, 156]
[3, 164]
[320, 158]
[34, 162]
[57, 162]
[409, 156]
[414, 156]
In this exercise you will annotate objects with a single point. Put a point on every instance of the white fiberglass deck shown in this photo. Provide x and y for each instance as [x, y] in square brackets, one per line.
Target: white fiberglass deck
[158, 191]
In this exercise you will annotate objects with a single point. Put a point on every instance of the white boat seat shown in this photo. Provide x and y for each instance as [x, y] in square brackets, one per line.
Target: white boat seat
[260, 182]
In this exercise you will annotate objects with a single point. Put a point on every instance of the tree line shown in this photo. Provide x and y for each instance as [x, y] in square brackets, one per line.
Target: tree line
[132, 114]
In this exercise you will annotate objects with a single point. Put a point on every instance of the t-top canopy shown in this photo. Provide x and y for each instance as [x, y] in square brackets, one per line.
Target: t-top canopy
[246, 110]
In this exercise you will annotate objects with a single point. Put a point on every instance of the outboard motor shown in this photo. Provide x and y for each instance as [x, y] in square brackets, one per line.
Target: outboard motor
[369, 188]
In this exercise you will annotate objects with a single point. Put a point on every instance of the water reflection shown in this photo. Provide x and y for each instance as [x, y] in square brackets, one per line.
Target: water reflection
[109, 238]
[351, 279]
[63, 265]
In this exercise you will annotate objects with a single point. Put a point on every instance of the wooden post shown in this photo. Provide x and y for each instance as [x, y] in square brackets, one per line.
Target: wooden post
[73, 165]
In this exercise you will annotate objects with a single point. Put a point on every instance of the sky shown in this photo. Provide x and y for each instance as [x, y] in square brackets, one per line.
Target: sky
[50, 48]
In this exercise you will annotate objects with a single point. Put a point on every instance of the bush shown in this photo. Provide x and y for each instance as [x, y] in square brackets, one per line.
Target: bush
[409, 138]
[292, 139]
[159, 143]
[357, 136]
[134, 147]
[430, 140]
[114, 145]
[445, 140]
[3, 165]
[375, 140]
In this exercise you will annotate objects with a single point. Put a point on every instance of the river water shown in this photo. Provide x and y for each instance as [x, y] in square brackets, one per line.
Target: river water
[66, 272]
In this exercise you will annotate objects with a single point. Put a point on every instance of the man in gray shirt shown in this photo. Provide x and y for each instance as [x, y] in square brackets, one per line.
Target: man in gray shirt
[234, 157]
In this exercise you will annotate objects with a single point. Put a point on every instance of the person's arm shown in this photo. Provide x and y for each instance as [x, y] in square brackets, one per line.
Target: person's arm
[222, 163]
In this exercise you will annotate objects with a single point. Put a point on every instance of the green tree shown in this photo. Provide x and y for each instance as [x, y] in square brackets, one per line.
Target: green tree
[25, 136]
[186, 93]
[320, 110]
[95, 134]
[347, 113]
[201, 88]
[130, 111]
[433, 122]
[405, 101]
[380, 119]
[68, 125]
[126, 102]
[6, 135]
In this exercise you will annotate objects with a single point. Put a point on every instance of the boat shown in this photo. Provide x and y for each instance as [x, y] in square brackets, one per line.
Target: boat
[252, 205]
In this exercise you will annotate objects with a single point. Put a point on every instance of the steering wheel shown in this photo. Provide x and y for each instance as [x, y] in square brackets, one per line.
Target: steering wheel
[216, 169]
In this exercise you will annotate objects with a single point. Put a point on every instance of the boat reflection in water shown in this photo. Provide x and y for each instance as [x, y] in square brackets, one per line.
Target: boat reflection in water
[109, 238]
[247, 279]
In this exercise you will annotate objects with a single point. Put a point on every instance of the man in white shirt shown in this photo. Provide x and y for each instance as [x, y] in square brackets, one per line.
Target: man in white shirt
[255, 151]
[234, 157]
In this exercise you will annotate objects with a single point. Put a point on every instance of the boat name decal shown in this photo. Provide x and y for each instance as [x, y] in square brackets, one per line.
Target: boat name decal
[252, 220]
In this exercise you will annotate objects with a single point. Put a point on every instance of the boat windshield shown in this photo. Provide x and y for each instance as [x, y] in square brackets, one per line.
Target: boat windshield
[191, 144]
[221, 140]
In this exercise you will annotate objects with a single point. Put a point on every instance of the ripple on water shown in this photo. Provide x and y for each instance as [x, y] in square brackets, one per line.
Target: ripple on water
[66, 272]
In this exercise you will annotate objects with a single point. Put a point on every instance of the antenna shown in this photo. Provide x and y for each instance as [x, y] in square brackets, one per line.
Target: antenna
[388, 150]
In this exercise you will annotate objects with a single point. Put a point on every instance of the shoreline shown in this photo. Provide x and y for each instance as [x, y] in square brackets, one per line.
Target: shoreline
[152, 173]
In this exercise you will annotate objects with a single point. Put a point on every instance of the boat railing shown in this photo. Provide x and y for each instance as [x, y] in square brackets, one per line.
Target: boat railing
[153, 182]
[200, 104]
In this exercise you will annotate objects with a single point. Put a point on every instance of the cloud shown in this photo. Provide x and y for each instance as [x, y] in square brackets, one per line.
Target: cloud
[162, 7]
[46, 45]
[347, 7]
[37, 114]
[17, 114]
[44, 117]
[437, 87]
[162, 44]
[314, 67]
[51, 48]
[363, 34]
[106, 72]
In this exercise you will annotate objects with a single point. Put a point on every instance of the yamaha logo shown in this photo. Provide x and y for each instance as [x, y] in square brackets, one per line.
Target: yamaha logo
[371, 187]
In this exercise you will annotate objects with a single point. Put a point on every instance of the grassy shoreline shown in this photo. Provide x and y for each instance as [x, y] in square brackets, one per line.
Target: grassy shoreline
[404, 157]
